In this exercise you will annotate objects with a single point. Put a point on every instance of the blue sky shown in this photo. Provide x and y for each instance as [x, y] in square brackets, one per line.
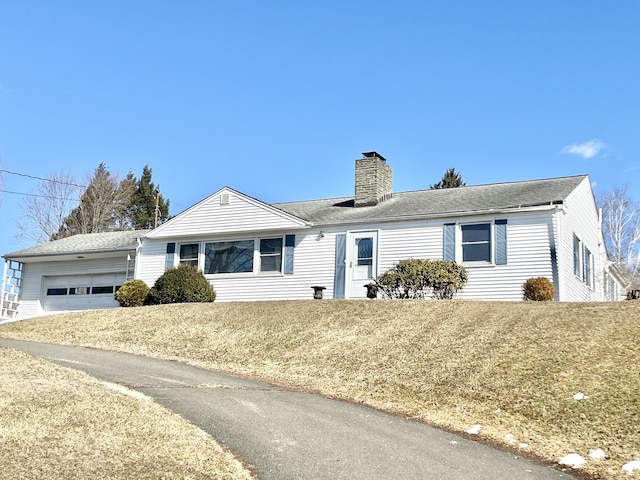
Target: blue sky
[278, 98]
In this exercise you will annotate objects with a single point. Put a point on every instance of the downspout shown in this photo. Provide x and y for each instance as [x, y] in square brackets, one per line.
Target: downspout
[135, 265]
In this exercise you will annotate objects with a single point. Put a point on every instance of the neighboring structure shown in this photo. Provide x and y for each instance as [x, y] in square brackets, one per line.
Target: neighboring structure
[502, 233]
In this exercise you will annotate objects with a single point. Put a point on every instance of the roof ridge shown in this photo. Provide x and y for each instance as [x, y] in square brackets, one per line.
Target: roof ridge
[512, 182]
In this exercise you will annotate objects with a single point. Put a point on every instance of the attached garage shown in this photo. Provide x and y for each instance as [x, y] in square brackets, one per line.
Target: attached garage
[81, 272]
[80, 292]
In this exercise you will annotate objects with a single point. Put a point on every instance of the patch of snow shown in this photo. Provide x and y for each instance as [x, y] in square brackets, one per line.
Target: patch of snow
[474, 430]
[511, 440]
[524, 445]
[597, 453]
[631, 466]
[580, 396]
[127, 391]
[497, 410]
[572, 460]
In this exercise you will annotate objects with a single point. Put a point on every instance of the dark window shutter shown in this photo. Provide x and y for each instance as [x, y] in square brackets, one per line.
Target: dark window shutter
[500, 233]
[341, 257]
[171, 250]
[576, 256]
[289, 246]
[449, 240]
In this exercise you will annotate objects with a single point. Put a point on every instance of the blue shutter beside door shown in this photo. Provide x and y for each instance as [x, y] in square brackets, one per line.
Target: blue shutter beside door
[449, 240]
[289, 245]
[171, 250]
[500, 233]
[341, 257]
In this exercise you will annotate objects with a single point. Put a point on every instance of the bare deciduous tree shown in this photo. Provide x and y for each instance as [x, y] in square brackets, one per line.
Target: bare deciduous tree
[621, 229]
[103, 205]
[44, 210]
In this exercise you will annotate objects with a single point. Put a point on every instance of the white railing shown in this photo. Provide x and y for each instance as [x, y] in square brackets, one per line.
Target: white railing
[10, 293]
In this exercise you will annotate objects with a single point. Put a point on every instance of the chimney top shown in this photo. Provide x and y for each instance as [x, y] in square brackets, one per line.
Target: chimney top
[373, 154]
[373, 180]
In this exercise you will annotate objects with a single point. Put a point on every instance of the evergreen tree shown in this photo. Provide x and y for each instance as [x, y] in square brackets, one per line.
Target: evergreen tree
[102, 208]
[451, 179]
[142, 211]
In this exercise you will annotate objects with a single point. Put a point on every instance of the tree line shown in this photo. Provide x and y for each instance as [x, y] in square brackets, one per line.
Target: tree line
[61, 207]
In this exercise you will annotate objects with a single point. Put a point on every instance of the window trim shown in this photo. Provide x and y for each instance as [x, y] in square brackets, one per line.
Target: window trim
[261, 255]
[491, 244]
[257, 255]
[583, 263]
[453, 247]
[188, 261]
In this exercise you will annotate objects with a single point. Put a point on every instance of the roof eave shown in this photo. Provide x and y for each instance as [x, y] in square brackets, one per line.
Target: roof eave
[38, 256]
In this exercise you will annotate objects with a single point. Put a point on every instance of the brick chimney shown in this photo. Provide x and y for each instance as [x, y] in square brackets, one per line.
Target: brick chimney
[373, 180]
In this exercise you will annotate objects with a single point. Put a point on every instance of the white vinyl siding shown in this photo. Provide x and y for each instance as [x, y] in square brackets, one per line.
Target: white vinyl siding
[580, 220]
[313, 259]
[528, 253]
[212, 216]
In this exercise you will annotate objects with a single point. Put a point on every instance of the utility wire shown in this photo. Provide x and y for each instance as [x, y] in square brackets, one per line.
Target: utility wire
[40, 196]
[40, 178]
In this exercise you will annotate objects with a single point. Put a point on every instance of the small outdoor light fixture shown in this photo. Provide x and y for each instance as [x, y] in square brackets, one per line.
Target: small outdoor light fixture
[322, 234]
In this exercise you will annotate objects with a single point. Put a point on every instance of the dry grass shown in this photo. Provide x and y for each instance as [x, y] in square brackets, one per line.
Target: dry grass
[511, 367]
[60, 423]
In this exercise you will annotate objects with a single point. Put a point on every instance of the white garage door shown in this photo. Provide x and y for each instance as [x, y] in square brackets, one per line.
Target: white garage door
[81, 292]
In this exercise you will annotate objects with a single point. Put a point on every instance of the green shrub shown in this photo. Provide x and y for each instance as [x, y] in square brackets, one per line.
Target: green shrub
[132, 293]
[415, 278]
[538, 289]
[446, 278]
[181, 285]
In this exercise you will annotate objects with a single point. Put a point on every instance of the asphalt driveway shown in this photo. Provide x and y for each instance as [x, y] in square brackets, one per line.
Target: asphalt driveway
[292, 435]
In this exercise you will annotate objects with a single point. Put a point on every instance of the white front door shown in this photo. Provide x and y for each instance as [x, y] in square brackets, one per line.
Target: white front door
[362, 262]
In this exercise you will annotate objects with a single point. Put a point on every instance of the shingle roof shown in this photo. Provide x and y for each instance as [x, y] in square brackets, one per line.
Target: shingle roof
[442, 202]
[84, 243]
[403, 205]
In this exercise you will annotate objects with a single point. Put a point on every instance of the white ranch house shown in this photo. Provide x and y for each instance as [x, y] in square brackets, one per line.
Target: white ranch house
[502, 233]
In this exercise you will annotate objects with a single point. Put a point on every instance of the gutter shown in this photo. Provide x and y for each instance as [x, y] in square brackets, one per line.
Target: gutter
[18, 258]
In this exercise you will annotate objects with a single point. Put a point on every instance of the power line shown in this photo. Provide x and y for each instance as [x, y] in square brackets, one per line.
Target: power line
[40, 196]
[40, 178]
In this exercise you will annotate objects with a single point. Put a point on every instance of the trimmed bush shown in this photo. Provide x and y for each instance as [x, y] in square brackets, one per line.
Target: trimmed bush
[446, 278]
[538, 289]
[181, 284]
[416, 278]
[132, 293]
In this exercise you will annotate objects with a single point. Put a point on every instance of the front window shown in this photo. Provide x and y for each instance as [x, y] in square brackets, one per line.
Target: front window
[271, 255]
[476, 242]
[577, 270]
[228, 257]
[189, 254]
[588, 267]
